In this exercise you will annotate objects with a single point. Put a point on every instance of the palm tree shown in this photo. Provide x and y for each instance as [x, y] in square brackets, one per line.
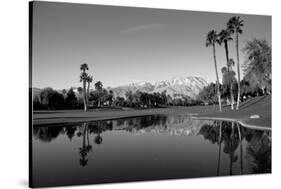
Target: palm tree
[98, 87]
[224, 37]
[230, 64]
[234, 25]
[83, 78]
[89, 80]
[212, 39]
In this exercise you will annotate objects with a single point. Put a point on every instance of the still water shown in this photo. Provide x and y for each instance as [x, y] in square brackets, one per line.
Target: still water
[146, 148]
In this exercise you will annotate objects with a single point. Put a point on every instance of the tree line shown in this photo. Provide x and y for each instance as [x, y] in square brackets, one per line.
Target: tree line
[50, 99]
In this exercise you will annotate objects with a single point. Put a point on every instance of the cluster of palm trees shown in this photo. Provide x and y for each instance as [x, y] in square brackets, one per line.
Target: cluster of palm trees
[233, 28]
[85, 78]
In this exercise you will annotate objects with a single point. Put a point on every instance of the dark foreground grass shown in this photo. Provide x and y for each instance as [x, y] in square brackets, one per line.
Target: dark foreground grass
[258, 105]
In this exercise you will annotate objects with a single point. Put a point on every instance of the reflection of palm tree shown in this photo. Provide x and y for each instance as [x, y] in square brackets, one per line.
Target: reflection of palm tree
[241, 149]
[86, 147]
[98, 139]
[230, 147]
[219, 142]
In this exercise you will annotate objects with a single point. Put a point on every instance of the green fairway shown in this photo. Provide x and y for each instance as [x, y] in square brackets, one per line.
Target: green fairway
[256, 106]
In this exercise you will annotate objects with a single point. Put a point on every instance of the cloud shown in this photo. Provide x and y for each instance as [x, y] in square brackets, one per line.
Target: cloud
[142, 28]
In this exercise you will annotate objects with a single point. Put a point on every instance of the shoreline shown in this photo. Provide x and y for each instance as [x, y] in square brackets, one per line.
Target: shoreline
[196, 112]
[250, 126]
[77, 117]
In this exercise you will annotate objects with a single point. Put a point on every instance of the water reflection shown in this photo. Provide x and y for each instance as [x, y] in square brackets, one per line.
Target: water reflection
[158, 143]
[231, 136]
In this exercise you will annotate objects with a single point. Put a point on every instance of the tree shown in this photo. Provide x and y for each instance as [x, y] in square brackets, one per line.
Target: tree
[224, 37]
[257, 66]
[212, 39]
[234, 25]
[71, 99]
[98, 87]
[64, 93]
[83, 78]
[51, 99]
[111, 95]
[208, 94]
[89, 80]
[129, 97]
[228, 81]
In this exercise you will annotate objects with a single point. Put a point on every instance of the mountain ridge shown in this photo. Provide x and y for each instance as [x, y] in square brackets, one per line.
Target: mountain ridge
[187, 86]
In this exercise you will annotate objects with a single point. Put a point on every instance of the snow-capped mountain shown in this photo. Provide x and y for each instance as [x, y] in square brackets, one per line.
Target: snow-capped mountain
[176, 86]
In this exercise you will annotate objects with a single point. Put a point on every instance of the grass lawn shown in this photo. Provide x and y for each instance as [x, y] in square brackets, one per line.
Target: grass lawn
[258, 105]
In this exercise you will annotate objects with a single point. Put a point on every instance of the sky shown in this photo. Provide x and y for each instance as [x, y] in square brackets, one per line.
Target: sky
[122, 45]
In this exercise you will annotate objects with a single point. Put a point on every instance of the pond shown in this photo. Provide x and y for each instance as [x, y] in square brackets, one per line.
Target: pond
[146, 148]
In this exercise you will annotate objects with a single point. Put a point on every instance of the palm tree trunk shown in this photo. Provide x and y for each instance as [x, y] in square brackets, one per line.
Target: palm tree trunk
[226, 54]
[229, 69]
[231, 96]
[88, 94]
[238, 70]
[217, 75]
[85, 96]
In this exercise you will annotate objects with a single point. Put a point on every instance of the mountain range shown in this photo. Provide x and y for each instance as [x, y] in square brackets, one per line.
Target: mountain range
[176, 86]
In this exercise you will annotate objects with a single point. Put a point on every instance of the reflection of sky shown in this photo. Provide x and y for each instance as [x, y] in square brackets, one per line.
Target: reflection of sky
[125, 156]
[123, 44]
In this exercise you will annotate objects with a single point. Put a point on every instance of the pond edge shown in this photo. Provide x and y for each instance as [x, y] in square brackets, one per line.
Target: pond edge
[234, 120]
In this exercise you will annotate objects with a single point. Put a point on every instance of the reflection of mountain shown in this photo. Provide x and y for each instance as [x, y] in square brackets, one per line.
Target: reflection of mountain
[173, 125]
[187, 86]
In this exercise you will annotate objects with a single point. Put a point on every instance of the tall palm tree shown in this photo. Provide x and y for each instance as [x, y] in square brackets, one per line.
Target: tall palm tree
[89, 81]
[230, 64]
[212, 39]
[83, 78]
[98, 87]
[234, 25]
[224, 37]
